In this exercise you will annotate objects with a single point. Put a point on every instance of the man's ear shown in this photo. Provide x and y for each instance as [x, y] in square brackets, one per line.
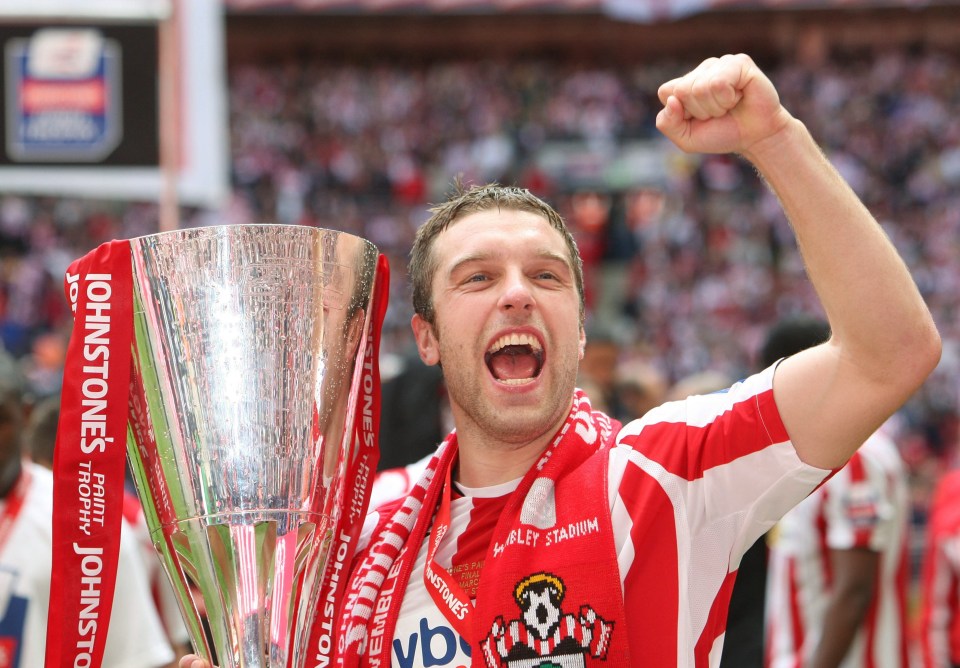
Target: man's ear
[583, 341]
[427, 344]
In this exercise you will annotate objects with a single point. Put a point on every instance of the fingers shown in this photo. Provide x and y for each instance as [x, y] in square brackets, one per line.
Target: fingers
[725, 105]
[193, 661]
[671, 118]
[712, 89]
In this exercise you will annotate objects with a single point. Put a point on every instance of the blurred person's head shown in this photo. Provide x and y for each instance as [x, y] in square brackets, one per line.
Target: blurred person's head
[41, 431]
[642, 387]
[49, 350]
[601, 353]
[43, 369]
[11, 420]
[702, 382]
[643, 206]
[791, 335]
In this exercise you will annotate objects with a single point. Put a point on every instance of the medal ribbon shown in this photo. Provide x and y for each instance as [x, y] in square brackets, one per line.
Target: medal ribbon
[451, 599]
[89, 457]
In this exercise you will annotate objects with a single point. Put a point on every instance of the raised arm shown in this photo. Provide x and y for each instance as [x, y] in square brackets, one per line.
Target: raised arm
[884, 342]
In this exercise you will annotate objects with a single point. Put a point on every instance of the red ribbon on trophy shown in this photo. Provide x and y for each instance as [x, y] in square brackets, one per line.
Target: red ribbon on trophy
[358, 482]
[89, 456]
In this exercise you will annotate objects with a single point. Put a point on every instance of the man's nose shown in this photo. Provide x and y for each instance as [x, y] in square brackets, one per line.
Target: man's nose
[516, 294]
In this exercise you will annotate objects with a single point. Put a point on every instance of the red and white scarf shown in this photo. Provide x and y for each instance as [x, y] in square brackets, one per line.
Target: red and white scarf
[550, 586]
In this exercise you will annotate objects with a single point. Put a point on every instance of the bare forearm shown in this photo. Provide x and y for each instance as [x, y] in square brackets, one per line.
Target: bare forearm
[884, 339]
[844, 617]
[855, 572]
[870, 298]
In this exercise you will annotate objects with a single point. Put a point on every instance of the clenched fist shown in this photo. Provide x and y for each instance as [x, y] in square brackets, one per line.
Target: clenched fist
[725, 105]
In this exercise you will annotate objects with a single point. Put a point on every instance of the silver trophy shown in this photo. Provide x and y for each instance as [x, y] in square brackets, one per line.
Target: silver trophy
[248, 348]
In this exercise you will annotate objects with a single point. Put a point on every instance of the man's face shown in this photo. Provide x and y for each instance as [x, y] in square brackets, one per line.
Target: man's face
[507, 325]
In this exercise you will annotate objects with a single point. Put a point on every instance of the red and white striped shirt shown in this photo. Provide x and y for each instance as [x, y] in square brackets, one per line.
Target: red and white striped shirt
[865, 505]
[940, 617]
[691, 486]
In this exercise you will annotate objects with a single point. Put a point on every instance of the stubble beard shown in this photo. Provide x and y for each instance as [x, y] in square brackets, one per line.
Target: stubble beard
[512, 425]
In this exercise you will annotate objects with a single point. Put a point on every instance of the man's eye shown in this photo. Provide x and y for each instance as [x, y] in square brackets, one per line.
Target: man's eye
[476, 278]
[547, 276]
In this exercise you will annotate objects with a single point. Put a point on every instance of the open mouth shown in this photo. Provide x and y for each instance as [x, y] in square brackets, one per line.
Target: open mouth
[515, 359]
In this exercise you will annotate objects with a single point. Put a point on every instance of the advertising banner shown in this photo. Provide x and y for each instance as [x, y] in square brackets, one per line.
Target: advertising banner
[81, 110]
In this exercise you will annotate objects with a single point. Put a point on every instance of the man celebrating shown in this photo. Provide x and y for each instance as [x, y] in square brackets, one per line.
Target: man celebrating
[543, 532]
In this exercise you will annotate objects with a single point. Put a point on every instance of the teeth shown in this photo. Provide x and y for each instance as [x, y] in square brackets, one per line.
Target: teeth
[515, 340]
[514, 381]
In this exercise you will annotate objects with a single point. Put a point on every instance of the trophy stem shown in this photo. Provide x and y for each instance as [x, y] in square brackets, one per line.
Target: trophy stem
[246, 575]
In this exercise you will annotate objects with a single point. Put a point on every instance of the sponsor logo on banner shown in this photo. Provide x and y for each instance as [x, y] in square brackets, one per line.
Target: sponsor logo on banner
[63, 96]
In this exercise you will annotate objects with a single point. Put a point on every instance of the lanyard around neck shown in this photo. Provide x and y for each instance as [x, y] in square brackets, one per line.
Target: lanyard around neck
[448, 595]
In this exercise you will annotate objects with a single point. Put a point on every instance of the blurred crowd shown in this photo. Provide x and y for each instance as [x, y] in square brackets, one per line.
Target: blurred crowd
[685, 270]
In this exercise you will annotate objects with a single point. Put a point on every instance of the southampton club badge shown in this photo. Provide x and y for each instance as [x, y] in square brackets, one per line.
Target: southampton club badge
[545, 636]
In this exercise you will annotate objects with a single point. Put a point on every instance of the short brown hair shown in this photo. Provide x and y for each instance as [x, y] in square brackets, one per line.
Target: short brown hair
[463, 202]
